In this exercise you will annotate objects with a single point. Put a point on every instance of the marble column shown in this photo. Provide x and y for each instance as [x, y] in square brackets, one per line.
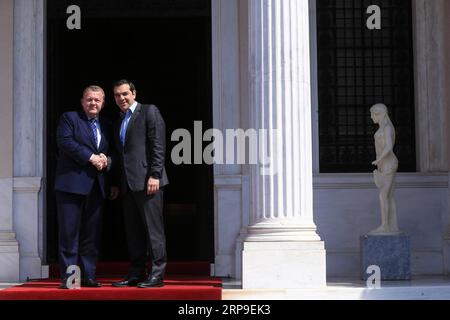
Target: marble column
[29, 135]
[229, 199]
[444, 11]
[432, 80]
[431, 83]
[281, 248]
[9, 246]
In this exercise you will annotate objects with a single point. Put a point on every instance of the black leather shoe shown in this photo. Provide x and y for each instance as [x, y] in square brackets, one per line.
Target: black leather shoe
[153, 282]
[90, 283]
[128, 282]
[63, 284]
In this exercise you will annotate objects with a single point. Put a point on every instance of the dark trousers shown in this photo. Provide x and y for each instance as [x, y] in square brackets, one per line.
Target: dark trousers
[79, 230]
[144, 226]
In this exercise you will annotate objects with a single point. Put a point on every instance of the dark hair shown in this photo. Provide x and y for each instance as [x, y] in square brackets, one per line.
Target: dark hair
[125, 81]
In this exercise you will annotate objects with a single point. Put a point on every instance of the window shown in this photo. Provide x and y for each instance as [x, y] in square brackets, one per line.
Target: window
[357, 68]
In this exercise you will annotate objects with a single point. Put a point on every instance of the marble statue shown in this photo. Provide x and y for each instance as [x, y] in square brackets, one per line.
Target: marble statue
[384, 175]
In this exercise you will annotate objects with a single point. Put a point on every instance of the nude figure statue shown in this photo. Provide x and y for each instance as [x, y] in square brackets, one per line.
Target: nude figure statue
[384, 175]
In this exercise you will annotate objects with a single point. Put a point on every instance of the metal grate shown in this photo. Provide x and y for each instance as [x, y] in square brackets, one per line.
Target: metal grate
[357, 68]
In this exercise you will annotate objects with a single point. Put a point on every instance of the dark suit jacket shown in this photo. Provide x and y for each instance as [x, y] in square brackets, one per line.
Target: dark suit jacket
[143, 155]
[76, 143]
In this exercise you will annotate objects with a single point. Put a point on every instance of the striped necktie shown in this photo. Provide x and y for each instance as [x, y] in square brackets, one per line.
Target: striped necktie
[93, 123]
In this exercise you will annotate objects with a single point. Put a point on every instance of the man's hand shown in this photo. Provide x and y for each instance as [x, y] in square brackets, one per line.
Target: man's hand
[114, 193]
[152, 186]
[99, 161]
[104, 159]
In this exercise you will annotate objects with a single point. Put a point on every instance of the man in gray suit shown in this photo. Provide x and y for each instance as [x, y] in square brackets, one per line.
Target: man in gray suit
[141, 144]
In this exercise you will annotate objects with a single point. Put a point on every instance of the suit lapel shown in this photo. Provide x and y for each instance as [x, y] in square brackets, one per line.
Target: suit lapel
[88, 129]
[134, 116]
[103, 135]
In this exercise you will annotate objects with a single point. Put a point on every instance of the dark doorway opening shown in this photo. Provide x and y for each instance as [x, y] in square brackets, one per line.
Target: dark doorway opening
[164, 47]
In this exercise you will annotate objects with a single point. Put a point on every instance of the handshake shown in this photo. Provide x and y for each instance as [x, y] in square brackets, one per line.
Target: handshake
[99, 161]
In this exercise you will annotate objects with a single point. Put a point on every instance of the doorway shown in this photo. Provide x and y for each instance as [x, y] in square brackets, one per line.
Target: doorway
[164, 47]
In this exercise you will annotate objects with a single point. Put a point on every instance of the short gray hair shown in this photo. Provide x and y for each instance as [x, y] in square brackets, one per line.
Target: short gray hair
[94, 88]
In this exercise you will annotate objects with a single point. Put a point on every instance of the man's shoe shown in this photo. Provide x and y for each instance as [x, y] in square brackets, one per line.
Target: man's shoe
[90, 283]
[127, 282]
[153, 282]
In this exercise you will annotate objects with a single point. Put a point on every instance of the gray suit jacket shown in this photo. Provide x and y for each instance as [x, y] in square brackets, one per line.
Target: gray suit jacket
[143, 154]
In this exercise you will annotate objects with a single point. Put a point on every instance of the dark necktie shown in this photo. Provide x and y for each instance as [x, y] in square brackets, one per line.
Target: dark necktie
[93, 123]
[124, 125]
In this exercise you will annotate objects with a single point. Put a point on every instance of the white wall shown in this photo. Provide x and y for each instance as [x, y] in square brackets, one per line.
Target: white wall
[347, 207]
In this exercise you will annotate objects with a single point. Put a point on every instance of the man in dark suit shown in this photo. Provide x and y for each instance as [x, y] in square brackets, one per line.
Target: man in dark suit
[141, 145]
[82, 139]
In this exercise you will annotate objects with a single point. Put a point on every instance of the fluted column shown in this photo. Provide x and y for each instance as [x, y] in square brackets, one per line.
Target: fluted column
[281, 242]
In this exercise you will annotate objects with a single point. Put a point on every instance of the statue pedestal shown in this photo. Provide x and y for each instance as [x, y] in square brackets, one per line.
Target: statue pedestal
[390, 253]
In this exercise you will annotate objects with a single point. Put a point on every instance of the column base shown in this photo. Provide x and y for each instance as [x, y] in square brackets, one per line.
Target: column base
[446, 254]
[283, 265]
[9, 258]
[224, 266]
[31, 268]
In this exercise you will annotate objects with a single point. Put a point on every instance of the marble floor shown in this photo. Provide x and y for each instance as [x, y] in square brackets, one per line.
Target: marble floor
[419, 288]
[7, 285]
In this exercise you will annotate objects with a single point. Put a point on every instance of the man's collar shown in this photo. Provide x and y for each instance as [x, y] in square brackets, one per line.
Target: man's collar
[89, 118]
[133, 106]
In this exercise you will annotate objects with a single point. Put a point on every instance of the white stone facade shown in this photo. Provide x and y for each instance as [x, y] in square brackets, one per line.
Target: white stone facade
[326, 212]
